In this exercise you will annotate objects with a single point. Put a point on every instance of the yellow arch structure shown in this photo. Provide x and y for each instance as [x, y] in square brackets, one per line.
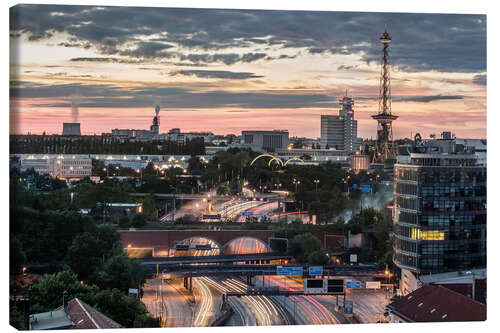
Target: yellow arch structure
[293, 159]
[266, 155]
[278, 160]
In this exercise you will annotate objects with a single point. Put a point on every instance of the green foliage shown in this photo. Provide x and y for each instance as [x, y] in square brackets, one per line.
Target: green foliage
[16, 319]
[47, 294]
[317, 257]
[124, 221]
[85, 254]
[121, 272]
[17, 256]
[40, 144]
[301, 246]
[122, 308]
[138, 220]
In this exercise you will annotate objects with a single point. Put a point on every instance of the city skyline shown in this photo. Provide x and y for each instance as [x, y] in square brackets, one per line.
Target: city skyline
[256, 69]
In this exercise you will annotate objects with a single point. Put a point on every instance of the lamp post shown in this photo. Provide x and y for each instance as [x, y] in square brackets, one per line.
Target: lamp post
[316, 182]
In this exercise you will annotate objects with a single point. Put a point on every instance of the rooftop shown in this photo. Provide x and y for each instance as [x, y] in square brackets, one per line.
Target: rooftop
[86, 317]
[435, 303]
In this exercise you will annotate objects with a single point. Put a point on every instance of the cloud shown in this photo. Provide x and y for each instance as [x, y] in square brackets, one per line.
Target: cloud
[479, 79]
[426, 99]
[420, 42]
[217, 74]
[107, 96]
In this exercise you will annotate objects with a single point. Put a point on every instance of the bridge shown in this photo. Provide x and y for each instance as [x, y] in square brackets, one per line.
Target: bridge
[251, 258]
[253, 270]
[161, 241]
[171, 196]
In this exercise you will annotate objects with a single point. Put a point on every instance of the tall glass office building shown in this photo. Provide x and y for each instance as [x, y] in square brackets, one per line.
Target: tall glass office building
[439, 213]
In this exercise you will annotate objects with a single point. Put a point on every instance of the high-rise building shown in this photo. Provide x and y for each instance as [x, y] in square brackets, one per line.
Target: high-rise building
[340, 132]
[439, 212]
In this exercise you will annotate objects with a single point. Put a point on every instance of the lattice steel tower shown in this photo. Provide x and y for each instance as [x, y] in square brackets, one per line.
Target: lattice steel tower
[384, 148]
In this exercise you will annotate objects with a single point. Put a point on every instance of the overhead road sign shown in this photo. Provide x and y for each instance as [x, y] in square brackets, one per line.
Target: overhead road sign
[365, 188]
[316, 270]
[349, 306]
[289, 270]
[353, 284]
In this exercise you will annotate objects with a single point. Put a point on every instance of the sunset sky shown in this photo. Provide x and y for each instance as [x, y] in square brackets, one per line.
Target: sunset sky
[231, 70]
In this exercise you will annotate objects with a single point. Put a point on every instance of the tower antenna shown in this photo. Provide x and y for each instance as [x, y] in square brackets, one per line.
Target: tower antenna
[384, 148]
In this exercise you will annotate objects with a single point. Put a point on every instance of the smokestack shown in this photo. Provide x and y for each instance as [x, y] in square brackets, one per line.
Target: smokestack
[74, 108]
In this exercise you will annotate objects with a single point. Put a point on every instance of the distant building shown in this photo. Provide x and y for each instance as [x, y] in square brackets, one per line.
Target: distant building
[58, 166]
[340, 132]
[435, 303]
[360, 162]
[439, 212]
[116, 209]
[266, 140]
[71, 129]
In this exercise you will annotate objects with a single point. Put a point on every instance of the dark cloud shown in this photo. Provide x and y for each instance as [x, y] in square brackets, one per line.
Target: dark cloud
[421, 42]
[208, 74]
[107, 96]
[479, 79]
[426, 99]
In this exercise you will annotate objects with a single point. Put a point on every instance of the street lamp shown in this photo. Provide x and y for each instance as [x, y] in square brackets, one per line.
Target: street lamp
[316, 182]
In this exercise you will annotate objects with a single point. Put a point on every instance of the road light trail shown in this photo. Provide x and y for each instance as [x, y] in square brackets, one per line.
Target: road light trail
[205, 310]
[253, 310]
[316, 312]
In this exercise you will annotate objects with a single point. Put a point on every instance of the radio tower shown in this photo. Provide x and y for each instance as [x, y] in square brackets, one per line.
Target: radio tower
[384, 147]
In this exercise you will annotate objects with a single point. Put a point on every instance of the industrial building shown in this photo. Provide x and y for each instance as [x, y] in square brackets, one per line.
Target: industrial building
[71, 129]
[266, 140]
[439, 211]
[340, 132]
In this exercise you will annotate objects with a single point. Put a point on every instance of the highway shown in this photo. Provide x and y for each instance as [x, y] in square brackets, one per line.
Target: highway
[248, 310]
[174, 310]
[306, 310]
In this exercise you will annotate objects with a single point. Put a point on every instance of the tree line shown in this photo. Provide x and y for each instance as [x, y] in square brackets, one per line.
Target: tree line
[57, 144]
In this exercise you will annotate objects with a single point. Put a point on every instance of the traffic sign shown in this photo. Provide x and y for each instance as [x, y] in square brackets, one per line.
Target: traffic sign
[316, 270]
[355, 186]
[348, 306]
[353, 284]
[365, 188]
[289, 270]
[247, 214]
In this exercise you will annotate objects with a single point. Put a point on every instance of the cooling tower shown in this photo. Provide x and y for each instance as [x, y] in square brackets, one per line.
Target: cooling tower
[71, 129]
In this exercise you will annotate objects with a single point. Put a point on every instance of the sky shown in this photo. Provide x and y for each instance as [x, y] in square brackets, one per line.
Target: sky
[226, 71]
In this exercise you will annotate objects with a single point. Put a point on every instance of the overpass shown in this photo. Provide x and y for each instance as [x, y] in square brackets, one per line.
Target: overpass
[252, 258]
[253, 270]
[171, 196]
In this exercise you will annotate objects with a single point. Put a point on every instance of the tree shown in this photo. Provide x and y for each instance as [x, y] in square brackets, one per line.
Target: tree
[304, 244]
[85, 254]
[17, 256]
[317, 257]
[47, 294]
[122, 308]
[138, 220]
[124, 221]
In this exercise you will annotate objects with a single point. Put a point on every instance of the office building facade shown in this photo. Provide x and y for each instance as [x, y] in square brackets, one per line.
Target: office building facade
[439, 213]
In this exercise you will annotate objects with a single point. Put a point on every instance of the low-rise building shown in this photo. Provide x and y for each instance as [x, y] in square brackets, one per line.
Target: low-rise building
[75, 315]
[435, 303]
